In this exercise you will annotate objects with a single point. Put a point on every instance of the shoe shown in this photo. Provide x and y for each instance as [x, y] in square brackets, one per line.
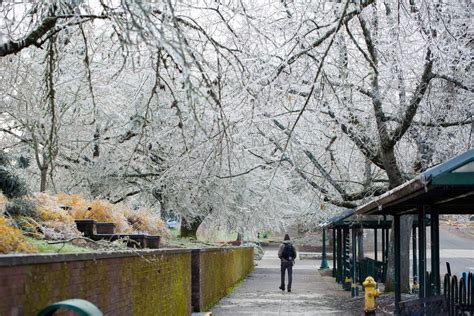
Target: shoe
[282, 288]
[289, 290]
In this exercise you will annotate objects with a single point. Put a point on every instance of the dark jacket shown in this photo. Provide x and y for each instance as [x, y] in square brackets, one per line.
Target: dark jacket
[280, 251]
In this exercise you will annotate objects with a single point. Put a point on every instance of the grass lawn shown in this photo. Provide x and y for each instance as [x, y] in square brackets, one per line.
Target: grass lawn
[44, 247]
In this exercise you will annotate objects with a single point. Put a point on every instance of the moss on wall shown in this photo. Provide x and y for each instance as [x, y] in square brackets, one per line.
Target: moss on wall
[221, 270]
[148, 285]
[157, 283]
[162, 285]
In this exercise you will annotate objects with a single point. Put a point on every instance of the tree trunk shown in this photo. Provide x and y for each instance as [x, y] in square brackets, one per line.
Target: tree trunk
[44, 178]
[188, 230]
[395, 179]
[391, 167]
[406, 223]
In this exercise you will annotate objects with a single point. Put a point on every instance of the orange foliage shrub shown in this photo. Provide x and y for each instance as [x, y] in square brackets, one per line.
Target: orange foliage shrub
[77, 203]
[12, 239]
[49, 209]
[56, 215]
[99, 210]
[104, 211]
[54, 222]
[125, 219]
[145, 221]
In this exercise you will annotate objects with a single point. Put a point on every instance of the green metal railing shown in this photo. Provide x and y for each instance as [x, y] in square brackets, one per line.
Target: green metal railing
[81, 307]
[369, 267]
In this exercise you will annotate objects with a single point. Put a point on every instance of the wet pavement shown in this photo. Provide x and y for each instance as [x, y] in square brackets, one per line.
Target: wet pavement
[315, 294]
[258, 294]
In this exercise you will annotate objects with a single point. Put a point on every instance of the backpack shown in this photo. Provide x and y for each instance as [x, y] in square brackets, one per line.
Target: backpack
[288, 252]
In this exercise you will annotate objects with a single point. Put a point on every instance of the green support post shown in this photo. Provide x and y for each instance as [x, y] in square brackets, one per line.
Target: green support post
[339, 255]
[346, 269]
[375, 244]
[354, 264]
[333, 252]
[343, 256]
[385, 252]
[415, 268]
[324, 261]
[397, 282]
[383, 245]
[434, 222]
[360, 243]
[421, 251]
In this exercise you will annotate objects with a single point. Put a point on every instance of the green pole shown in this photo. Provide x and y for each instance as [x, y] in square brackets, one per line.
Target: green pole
[422, 251]
[383, 245]
[375, 244]
[398, 293]
[435, 251]
[414, 248]
[333, 252]
[339, 255]
[346, 269]
[354, 263]
[324, 261]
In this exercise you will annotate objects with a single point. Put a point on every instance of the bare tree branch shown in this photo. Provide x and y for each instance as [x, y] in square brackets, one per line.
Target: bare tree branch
[44, 31]
[346, 17]
[415, 101]
[454, 81]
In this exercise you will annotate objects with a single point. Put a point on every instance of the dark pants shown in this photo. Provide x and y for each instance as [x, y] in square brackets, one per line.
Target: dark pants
[286, 266]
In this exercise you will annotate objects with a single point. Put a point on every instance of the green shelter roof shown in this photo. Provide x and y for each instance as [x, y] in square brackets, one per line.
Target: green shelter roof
[448, 187]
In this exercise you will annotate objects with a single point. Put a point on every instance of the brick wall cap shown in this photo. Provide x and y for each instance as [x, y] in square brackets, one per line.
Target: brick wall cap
[26, 259]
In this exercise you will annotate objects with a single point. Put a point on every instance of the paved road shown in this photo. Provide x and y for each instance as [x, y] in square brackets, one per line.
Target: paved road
[456, 247]
[312, 294]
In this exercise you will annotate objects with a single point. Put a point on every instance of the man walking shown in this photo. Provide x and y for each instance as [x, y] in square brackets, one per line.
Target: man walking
[287, 255]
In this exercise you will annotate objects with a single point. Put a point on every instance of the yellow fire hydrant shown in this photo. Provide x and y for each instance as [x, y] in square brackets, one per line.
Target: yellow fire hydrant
[371, 293]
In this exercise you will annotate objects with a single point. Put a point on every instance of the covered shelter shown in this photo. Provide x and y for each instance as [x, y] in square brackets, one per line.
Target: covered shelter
[347, 230]
[447, 188]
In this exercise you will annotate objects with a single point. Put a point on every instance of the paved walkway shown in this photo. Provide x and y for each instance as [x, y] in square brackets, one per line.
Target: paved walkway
[258, 294]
